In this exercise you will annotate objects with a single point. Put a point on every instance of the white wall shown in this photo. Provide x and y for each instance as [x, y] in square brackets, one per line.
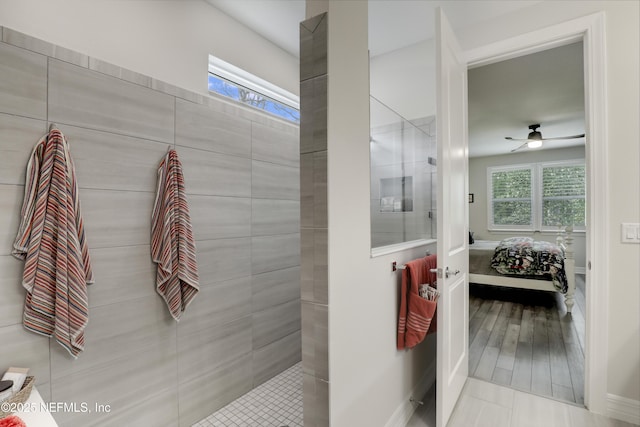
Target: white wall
[369, 378]
[394, 76]
[478, 214]
[622, 44]
[169, 40]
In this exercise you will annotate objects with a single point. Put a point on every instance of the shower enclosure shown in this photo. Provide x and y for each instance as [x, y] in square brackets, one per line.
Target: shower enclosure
[403, 177]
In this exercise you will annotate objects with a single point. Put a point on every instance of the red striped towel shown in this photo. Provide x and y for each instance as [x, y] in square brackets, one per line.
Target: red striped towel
[172, 245]
[416, 313]
[51, 240]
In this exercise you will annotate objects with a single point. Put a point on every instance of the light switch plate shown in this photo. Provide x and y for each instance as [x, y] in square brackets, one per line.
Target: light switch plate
[630, 232]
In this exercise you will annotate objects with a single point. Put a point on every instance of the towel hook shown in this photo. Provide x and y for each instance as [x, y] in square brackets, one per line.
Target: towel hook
[53, 126]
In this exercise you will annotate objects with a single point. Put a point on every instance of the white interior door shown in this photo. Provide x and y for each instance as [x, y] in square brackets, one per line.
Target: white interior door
[453, 214]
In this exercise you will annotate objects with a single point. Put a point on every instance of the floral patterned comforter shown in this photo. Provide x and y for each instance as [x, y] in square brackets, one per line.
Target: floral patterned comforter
[524, 256]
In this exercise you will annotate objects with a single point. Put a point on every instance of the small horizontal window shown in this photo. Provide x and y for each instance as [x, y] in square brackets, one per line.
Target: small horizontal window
[235, 83]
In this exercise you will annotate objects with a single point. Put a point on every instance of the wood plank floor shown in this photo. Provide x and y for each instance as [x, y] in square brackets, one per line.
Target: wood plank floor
[525, 339]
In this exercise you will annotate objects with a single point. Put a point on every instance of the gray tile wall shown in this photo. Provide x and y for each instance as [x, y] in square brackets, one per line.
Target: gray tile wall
[313, 220]
[241, 171]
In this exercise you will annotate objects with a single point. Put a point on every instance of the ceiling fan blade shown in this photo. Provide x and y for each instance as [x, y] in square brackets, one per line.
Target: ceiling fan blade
[514, 139]
[522, 146]
[563, 137]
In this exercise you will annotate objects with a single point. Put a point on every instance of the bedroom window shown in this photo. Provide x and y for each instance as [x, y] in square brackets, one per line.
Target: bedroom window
[563, 195]
[540, 196]
[511, 203]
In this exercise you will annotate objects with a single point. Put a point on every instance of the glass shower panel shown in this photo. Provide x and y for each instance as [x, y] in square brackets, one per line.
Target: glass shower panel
[403, 171]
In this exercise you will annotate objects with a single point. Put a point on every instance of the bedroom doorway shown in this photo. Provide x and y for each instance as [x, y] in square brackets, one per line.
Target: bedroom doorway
[523, 338]
[543, 309]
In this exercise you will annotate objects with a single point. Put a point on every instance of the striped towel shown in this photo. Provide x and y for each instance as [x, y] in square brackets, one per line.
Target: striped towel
[52, 243]
[416, 315]
[172, 245]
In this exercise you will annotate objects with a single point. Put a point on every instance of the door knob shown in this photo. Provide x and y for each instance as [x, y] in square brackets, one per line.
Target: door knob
[448, 273]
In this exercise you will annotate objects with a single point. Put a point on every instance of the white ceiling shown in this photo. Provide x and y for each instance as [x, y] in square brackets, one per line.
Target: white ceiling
[504, 98]
[396, 23]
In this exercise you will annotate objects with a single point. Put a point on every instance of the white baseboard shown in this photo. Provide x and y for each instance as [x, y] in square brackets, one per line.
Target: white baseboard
[624, 409]
[403, 413]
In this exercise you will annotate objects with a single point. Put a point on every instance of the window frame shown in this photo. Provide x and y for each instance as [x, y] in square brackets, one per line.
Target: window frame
[540, 195]
[241, 79]
[536, 170]
[490, 199]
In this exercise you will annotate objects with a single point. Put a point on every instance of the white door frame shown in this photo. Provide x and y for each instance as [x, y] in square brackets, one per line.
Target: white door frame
[591, 30]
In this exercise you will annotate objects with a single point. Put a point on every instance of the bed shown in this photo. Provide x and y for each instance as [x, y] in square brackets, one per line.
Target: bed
[484, 263]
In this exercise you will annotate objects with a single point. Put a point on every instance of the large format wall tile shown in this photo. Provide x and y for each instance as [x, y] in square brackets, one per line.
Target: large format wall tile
[306, 191]
[121, 274]
[313, 47]
[140, 389]
[215, 174]
[274, 358]
[215, 217]
[18, 136]
[270, 216]
[13, 293]
[275, 287]
[315, 340]
[23, 82]
[275, 323]
[218, 304]
[116, 218]
[313, 112]
[320, 215]
[307, 266]
[130, 351]
[119, 72]
[199, 126]
[117, 332]
[33, 44]
[10, 206]
[107, 160]
[316, 401]
[201, 397]
[269, 253]
[223, 259]
[313, 190]
[275, 144]
[314, 265]
[78, 96]
[271, 181]
[205, 349]
[25, 349]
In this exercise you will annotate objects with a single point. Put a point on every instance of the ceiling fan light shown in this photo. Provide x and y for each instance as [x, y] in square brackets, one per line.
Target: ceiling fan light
[534, 143]
[535, 135]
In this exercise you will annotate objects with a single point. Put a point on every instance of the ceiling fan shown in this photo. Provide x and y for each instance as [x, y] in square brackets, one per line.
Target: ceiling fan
[534, 139]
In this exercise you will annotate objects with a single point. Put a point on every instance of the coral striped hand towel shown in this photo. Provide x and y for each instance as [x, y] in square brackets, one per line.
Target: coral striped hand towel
[173, 247]
[416, 315]
[51, 240]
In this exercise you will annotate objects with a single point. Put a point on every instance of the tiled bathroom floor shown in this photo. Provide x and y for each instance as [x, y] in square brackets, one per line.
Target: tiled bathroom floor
[275, 403]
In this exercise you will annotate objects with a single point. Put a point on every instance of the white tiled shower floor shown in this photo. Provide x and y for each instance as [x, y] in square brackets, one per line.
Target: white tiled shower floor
[275, 403]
